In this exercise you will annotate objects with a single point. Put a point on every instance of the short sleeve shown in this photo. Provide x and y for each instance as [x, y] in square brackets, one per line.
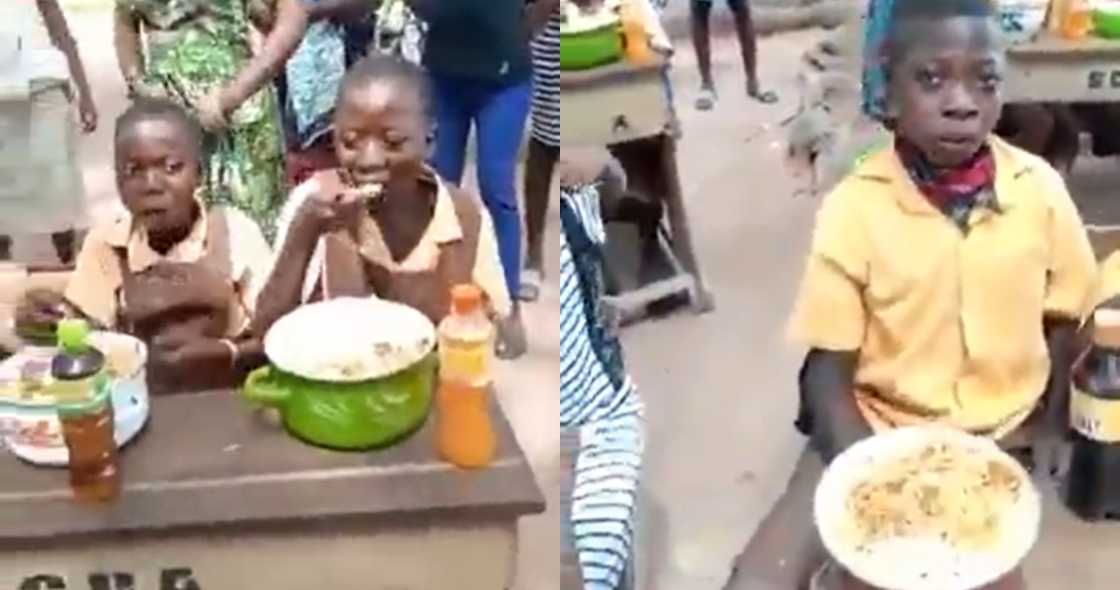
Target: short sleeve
[1072, 268]
[488, 273]
[829, 312]
[284, 222]
[93, 284]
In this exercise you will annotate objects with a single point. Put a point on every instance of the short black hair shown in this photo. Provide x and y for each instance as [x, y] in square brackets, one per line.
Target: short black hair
[906, 13]
[159, 109]
[380, 67]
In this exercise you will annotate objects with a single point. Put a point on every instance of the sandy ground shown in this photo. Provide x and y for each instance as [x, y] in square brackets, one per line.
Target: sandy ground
[721, 442]
[528, 387]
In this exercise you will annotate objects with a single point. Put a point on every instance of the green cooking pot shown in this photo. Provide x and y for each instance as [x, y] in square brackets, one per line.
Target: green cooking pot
[590, 49]
[1106, 23]
[347, 416]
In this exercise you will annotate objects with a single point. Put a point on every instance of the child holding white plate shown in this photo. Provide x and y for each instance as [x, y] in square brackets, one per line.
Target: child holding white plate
[945, 280]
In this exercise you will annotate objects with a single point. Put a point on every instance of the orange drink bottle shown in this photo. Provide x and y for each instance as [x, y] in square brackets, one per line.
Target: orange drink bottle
[1077, 21]
[635, 39]
[464, 432]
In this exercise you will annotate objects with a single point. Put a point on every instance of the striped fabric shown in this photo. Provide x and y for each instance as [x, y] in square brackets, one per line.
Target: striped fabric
[546, 83]
[598, 399]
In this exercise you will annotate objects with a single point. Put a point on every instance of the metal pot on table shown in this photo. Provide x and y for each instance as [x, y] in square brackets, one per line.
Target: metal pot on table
[348, 374]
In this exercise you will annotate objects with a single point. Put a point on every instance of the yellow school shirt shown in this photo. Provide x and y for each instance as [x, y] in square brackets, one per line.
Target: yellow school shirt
[96, 282]
[949, 326]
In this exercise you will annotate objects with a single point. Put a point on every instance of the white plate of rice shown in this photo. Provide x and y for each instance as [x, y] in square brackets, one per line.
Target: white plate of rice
[927, 508]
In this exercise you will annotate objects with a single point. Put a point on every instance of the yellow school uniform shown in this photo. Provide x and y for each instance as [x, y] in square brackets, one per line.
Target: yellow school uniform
[948, 325]
[95, 285]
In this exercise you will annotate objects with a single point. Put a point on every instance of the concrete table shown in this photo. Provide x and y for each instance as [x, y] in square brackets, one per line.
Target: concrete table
[625, 108]
[1053, 69]
[218, 497]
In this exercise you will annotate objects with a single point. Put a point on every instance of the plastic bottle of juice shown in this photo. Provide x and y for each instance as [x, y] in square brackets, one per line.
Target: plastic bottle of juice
[635, 39]
[465, 435]
[85, 411]
[1076, 19]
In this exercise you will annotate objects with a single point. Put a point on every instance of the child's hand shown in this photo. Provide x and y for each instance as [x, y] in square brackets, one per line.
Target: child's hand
[333, 207]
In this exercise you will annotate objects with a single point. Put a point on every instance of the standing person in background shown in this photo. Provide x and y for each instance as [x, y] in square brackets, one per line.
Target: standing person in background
[199, 55]
[544, 149]
[41, 187]
[701, 40]
[337, 36]
[477, 53]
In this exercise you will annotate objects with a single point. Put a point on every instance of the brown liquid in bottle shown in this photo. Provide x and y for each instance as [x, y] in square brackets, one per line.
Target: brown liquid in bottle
[85, 411]
[93, 455]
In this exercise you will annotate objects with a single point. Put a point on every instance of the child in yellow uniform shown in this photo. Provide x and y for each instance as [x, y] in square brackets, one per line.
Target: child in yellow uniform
[945, 280]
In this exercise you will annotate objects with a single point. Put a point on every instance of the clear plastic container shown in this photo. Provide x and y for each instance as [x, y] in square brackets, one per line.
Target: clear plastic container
[85, 411]
[465, 434]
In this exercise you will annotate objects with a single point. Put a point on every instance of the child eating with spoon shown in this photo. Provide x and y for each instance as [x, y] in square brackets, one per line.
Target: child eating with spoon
[383, 224]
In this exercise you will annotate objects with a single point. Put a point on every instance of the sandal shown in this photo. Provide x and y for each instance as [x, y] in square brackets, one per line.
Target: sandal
[706, 100]
[763, 96]
[530, 289]
[512, 341]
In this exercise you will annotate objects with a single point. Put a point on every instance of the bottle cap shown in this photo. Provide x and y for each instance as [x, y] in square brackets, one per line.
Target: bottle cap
[465, 298]
[73, 335]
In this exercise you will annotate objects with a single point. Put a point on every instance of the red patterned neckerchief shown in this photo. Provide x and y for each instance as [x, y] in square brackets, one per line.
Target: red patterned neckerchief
[953, 191]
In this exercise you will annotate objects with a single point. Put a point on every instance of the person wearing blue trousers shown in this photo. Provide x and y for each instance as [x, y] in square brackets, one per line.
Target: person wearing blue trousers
[477, 54]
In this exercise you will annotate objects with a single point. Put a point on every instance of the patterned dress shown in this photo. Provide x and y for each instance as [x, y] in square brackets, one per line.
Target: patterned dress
[598, 400]
[192, 47]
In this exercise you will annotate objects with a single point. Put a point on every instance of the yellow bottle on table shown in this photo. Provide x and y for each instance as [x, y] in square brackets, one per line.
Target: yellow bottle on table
[464, 433]
[635, 38]
[1071, 19]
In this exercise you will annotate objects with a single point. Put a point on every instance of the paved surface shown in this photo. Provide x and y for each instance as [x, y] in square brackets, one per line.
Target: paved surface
[720, 388]
[528, 386]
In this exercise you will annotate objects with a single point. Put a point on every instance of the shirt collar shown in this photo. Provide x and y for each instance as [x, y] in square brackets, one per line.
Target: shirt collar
[126, 233]
[1011, 167]
[443, 228]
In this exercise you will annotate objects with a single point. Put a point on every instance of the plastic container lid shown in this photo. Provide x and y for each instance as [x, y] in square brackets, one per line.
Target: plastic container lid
[465, 299]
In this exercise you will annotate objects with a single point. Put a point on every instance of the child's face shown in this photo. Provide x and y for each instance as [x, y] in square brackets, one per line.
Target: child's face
[380, 133]
[157, 174]
[945, 89]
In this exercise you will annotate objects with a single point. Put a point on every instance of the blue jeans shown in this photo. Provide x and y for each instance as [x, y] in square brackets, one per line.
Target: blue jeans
[498, 111]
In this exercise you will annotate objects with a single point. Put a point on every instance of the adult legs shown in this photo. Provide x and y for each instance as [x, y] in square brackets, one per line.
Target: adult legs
[454, 110]
[5, 248]
[785, 551]
[744, 27]
[501, 126]
[701, 11]
[538, 182]
[501, 123]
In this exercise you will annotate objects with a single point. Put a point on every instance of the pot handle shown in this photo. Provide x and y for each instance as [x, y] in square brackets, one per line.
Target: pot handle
[261, 387]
